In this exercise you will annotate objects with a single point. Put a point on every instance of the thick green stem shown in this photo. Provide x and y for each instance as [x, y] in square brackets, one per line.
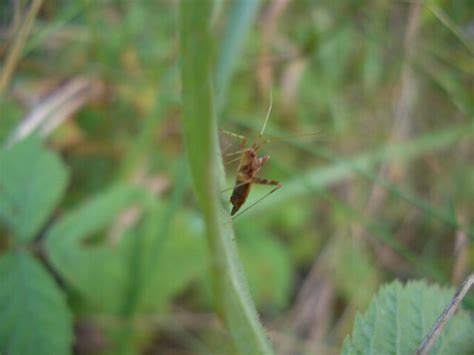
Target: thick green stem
[233, 301]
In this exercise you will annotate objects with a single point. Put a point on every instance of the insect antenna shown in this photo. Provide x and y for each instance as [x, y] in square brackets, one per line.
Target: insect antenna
[268, 114]
[289, 137]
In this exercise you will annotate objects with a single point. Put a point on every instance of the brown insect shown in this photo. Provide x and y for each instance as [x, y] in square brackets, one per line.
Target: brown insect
[249, 166]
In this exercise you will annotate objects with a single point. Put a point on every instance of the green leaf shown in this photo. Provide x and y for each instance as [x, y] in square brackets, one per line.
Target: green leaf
[98, 271]
[400, 316]
[32, 181]
[34, 315]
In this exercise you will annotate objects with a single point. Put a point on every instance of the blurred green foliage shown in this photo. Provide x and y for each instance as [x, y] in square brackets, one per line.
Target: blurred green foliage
[100, 213]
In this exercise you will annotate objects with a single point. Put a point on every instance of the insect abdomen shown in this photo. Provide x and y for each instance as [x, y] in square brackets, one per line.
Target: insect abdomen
[239, 196]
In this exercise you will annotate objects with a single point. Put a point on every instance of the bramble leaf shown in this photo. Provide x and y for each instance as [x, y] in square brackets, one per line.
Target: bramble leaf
[34, 315]
[400, 316]
[32, 181]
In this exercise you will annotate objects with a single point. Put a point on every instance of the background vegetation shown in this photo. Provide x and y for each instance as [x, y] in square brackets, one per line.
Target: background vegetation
[106, 249]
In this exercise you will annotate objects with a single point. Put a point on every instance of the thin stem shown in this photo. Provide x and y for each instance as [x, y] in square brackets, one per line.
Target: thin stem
[15, 52]
[447, 314]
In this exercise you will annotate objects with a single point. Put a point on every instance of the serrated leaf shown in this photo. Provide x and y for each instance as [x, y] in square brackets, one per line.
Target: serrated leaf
[400, 316]
[32, 180]
[97, 271]
[34, 315]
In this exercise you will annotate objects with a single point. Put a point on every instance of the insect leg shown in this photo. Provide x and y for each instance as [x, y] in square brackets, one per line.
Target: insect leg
[240, 151]
[242, 138]
[232, 161]
[262, 181]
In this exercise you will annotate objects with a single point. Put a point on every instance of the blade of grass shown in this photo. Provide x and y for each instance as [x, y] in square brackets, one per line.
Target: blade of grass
[44, 30]
[234, 303]
[18, 45]
[453, 27]
[241, 17]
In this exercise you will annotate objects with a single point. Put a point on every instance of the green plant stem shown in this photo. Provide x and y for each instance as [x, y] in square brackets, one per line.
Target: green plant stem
[15, 52]
[443, 319]
[233, 301]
